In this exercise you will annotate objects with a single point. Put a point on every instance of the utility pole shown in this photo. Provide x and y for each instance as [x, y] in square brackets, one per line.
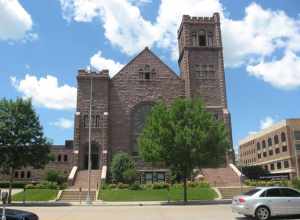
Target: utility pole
[88, 198]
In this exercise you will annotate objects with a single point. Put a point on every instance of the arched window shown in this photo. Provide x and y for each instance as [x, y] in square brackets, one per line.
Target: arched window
[202, 38]
[65, 158]
[258, 146]
[16, 174]
[59, 158]
[97, 121]
[263, 144]
[85, 121]
[210, 39]
[283, 137]
[22, 174]
[194, 38]
[269, 142]
[139, 117]
[276, 139]
[28, 174]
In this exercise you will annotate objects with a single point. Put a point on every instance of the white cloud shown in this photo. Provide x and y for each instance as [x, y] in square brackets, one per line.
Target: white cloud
[246, 41]
[266, 122]
[99, 62]
[46, 92]
[63, 123]
[283, 73]
[15, 22]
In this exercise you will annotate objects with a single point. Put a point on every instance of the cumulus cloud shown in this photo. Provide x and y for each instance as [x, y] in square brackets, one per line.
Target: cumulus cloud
[266, 122]
[46, 92]
[63, 123]
[246, 41]
[99, 62]
[283, 73]
[15, 22]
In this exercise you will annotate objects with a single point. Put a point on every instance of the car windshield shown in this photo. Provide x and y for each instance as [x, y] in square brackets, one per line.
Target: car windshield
[251, 192]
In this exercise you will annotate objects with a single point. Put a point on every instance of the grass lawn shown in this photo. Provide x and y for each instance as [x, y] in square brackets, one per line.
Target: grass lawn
[176, 194]
[36, 195]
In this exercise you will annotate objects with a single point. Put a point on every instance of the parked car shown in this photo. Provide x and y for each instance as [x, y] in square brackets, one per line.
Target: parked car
[264, 202]
[13, 214]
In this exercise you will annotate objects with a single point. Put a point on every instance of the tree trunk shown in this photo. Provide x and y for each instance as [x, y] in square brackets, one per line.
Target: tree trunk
[11, 179]
[185, 187]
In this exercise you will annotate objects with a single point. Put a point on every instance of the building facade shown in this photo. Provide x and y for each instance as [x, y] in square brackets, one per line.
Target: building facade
[276, 149]
[120, 104]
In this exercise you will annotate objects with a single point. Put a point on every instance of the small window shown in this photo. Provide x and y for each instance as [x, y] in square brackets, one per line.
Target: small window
[297, 146]
[210, 39]
[269, 142]
[147, 75]
[97, 121]
[266, 167]
[276, 139]
[259, 156]
[202, 38]
[284, 148]
[160, 177]
[194, 39]
[270, 152]
[149, 177]
[264, 154]
[297, 135]
[286, 164]
[65, 158]
[283, 137]
[16, 174]
[263, 144]
[272, 167]
[59, 158]
[85, 121]
[279, 165]
[258, 146]
[22, 175]
[251, 192]
[277, 150]
[273, 193]
[28, 174]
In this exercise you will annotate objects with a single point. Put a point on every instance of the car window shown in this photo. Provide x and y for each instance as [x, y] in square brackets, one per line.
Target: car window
[289, 193]
[273, 193]
[251, 192]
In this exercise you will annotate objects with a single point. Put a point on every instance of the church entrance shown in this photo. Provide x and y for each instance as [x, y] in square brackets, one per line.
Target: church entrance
[95, 158]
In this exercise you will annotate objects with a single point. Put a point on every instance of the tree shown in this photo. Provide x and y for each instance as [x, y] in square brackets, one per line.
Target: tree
[254, 172]
[22, 142]
[120, 165]
[184, 136]
[55, 176]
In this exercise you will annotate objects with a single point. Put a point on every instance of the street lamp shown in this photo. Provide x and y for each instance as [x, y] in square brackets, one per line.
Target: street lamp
[88, 197]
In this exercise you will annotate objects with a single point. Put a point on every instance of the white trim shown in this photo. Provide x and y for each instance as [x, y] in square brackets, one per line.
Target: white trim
[235, 169]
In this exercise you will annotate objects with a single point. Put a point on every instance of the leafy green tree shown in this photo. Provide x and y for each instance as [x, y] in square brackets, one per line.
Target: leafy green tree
[56, 177]
[120, 164]
[184, 136]
[22, 142]
[254, 172]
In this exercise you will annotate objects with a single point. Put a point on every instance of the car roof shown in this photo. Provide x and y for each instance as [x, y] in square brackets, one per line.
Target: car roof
[274, 187]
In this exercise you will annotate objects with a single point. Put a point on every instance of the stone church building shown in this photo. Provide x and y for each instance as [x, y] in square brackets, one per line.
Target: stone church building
[121, 103]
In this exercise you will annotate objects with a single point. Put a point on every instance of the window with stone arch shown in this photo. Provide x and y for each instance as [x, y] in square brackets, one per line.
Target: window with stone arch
[194, 39]
[138, 120]
[210, 39]
[202, 38]
[147, 73]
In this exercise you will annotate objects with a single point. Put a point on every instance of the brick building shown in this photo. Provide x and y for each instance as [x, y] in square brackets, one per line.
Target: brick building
[276, 149]
[121, 103]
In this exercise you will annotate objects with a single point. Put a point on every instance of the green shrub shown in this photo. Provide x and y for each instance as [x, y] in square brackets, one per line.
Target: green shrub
[111, 186]
[121, 162]
[160, 186]
[296, 183]
[122, 186]
[267, 182]
[43, 185]
[129, 176]
[5, 184]
[55, 176]
[135, 186]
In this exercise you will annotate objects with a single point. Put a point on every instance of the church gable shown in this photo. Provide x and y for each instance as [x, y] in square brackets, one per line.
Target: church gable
[146, 66]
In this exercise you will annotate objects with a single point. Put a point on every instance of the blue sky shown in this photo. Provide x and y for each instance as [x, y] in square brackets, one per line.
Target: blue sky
[44, 43]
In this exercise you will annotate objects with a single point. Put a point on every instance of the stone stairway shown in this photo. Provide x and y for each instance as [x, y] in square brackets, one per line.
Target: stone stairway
[221, 176]
[75, 196]
[81, 180]
[229, 192]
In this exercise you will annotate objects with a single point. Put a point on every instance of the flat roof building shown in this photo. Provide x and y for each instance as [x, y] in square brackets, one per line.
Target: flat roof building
[276, 148]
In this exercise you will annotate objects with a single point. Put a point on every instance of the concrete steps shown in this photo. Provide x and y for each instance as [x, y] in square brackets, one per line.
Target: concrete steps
[229, 192]
[81, 180]
[76, 196]
[221, 177]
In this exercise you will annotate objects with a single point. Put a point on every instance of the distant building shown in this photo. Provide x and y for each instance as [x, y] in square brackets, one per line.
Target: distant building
[276, 148]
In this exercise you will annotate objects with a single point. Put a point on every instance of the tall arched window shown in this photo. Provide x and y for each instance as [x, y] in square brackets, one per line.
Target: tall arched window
[276, 139]
[283, 138]
[194, 39]
[139, 117]
[202, 38]
[210, 39]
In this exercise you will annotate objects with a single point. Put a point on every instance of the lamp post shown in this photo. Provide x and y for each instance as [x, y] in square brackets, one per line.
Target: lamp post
[88, 197]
